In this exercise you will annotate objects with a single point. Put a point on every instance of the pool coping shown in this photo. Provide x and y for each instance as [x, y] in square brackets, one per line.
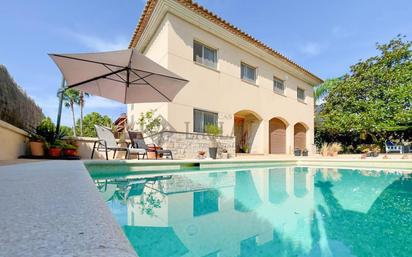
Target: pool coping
[63, 193]
[59, 213]
[321, 162]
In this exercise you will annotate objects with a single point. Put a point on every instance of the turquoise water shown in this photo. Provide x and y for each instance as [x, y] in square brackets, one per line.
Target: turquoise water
[292, 211]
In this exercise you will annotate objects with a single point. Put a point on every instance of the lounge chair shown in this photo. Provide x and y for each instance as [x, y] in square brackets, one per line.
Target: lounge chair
[138, 142]
[107, 142]
[392, 147]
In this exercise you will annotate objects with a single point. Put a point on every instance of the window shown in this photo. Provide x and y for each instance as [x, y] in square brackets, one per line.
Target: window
[132, 107]
[203, 118]
[204, 55]
[248, 72]
[205, 202]
[301, 94]
[278, 85]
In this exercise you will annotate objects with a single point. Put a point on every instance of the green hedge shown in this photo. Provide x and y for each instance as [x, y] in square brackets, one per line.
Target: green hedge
[16, 107]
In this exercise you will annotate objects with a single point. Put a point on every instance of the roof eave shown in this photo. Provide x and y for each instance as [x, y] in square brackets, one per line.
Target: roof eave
[151, 4]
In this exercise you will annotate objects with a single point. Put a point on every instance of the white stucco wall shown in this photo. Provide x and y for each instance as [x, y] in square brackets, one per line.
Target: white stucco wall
[222, 90]
[13, 141]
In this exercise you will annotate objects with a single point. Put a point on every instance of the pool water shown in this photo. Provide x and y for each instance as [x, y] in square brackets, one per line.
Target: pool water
[279, 211]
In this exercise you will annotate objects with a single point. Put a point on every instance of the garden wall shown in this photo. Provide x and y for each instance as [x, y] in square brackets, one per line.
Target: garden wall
[13, 141]
[186, 145]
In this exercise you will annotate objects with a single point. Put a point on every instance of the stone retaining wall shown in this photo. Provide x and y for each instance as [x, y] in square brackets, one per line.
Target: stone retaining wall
[186, 145]
[183, 145]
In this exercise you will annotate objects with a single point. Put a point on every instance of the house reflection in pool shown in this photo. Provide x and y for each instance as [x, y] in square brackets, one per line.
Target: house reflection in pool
[248, 212]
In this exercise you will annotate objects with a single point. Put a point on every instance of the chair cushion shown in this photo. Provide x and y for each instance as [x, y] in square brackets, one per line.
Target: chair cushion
[137, 151]
[163, 151]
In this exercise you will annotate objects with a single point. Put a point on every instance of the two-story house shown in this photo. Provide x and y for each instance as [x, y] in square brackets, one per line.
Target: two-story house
[254, 93]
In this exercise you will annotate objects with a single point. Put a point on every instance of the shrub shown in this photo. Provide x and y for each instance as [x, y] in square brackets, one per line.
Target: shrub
[16, 107]
[335, 148]
[213, 130]
[324, 150]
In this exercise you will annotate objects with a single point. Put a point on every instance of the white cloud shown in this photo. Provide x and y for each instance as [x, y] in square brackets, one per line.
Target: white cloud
[99, 44]
[311, 49]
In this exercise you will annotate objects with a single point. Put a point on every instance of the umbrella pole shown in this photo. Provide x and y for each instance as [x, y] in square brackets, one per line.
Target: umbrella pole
[59, 113]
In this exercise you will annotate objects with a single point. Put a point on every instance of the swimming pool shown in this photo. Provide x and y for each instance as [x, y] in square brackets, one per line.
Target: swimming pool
[263, 211]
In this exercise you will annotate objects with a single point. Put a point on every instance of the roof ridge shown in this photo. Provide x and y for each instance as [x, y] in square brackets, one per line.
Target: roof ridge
[151, 4]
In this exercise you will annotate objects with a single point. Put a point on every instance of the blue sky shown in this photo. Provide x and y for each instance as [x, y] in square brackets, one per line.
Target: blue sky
[324, 36]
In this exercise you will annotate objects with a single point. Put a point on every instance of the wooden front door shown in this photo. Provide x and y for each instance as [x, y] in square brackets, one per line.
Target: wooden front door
[277, 137]
[300, 136]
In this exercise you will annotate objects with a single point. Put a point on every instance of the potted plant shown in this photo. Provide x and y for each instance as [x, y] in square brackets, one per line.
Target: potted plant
[305, 152]
[42, 134]
[55, 149]
[70, 150]
[245, 148]
[53, 141]
[213, 131]
[36, 144]
[297, 152]
[225, 154]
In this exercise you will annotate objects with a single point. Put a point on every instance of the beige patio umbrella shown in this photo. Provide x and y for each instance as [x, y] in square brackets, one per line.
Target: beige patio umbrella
[125, 76]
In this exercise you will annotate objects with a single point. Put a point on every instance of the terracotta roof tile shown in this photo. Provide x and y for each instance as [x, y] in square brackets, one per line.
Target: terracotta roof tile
[151, 4]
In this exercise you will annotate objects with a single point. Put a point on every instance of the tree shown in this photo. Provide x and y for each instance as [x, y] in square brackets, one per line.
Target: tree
[374, 100]
[82, 95]
[149, 123]
[70, 98]
[90, 120]
[66, 130]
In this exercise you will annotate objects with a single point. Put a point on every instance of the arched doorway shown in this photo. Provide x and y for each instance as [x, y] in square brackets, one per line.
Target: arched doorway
[277, 136]
[246, 124]
[299, 139]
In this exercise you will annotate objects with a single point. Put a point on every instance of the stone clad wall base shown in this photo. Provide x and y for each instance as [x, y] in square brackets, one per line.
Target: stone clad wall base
[187, 145]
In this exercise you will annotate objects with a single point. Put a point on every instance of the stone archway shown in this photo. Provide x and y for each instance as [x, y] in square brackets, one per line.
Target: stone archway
[277, 136]
[246, 124]
[299, 138]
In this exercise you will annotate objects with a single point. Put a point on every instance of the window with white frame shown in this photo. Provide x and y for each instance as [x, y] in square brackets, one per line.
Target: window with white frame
[203, 118]
[248, 72]
[204, 55]
[278, 85]
[301, 94]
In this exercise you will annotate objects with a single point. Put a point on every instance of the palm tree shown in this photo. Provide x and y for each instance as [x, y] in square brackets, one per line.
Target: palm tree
[322, 90]
[81, 104]
[70, 98]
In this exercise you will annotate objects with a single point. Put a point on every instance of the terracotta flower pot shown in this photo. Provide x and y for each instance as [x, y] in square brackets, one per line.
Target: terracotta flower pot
[36, 148]
[70, 152]
[55, 152]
